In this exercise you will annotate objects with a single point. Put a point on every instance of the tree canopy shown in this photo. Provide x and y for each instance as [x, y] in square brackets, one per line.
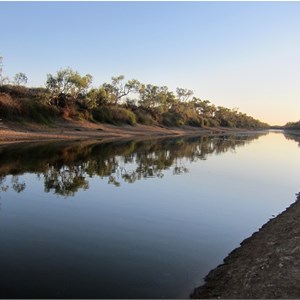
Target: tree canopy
[126, 101]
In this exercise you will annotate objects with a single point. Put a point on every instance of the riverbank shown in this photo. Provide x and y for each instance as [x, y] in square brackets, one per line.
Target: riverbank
[266, 265]
[83, 130]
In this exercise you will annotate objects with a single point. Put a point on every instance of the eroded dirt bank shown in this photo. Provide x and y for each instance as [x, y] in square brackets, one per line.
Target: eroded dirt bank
[16, 132]
[266, 265]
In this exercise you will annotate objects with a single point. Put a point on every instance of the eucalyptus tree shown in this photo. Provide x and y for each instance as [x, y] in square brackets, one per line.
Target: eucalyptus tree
[69, 84]
[117, 89]
[97, 97]
[3, 79]
[225, 116]
[204, 107]
[184, 94]
[152, 96]
[20, 78]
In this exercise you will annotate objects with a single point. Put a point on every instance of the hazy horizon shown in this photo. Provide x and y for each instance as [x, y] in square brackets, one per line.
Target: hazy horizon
[236, 54]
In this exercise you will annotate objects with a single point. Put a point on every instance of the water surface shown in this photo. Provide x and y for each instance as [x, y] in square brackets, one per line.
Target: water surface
[135, 219]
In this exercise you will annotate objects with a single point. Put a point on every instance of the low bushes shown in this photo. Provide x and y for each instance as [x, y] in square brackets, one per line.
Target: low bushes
[293, 125]
[11, 109]
[39, 113]
[144, 118]
[181, 119]
[114, 115]
[8, 107]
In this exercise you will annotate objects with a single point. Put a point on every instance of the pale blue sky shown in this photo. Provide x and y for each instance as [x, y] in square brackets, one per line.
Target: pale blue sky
[235, 54]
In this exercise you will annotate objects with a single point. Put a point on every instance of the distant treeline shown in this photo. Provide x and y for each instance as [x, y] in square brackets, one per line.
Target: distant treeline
[69, 95]
[289, 125]
[292, 125]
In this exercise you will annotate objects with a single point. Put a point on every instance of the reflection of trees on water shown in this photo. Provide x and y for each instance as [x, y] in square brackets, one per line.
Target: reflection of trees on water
[294, 136]
[66, 180]
[14, 183]
[65, 167]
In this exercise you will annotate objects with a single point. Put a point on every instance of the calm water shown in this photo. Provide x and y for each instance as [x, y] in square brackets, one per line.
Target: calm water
[135, 219]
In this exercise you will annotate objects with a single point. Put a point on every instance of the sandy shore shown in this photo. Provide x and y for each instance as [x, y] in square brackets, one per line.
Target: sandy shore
[266, 265]
[72, 130]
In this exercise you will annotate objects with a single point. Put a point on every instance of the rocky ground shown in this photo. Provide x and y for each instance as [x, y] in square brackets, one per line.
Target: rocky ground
[266, 265]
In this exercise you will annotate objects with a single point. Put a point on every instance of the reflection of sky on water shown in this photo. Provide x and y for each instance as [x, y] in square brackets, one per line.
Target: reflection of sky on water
[157, 237]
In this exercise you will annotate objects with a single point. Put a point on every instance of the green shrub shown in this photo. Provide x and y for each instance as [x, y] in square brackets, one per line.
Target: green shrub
[180, 122]
[102, 115]
[39, 112]
[122, 115]
[171, 119]
[114, 115]
[195, 122]
[213, 122]
[144, 118]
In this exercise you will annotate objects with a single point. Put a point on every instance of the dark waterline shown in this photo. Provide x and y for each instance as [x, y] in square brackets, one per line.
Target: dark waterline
[138, 219]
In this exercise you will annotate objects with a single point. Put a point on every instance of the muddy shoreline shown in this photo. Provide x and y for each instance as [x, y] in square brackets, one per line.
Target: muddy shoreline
[11, 132]
[265, 266]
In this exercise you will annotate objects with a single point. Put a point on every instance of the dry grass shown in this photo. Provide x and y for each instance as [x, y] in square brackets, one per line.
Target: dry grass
[8, 107]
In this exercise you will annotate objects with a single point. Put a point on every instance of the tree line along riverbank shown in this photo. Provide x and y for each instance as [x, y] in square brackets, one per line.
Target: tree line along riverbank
[69, 95]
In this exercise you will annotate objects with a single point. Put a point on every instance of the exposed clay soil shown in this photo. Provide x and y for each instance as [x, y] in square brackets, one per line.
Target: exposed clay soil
[266, 265]
[16, 132]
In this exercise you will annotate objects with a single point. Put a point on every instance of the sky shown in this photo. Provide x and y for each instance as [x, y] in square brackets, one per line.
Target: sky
[243, 55]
